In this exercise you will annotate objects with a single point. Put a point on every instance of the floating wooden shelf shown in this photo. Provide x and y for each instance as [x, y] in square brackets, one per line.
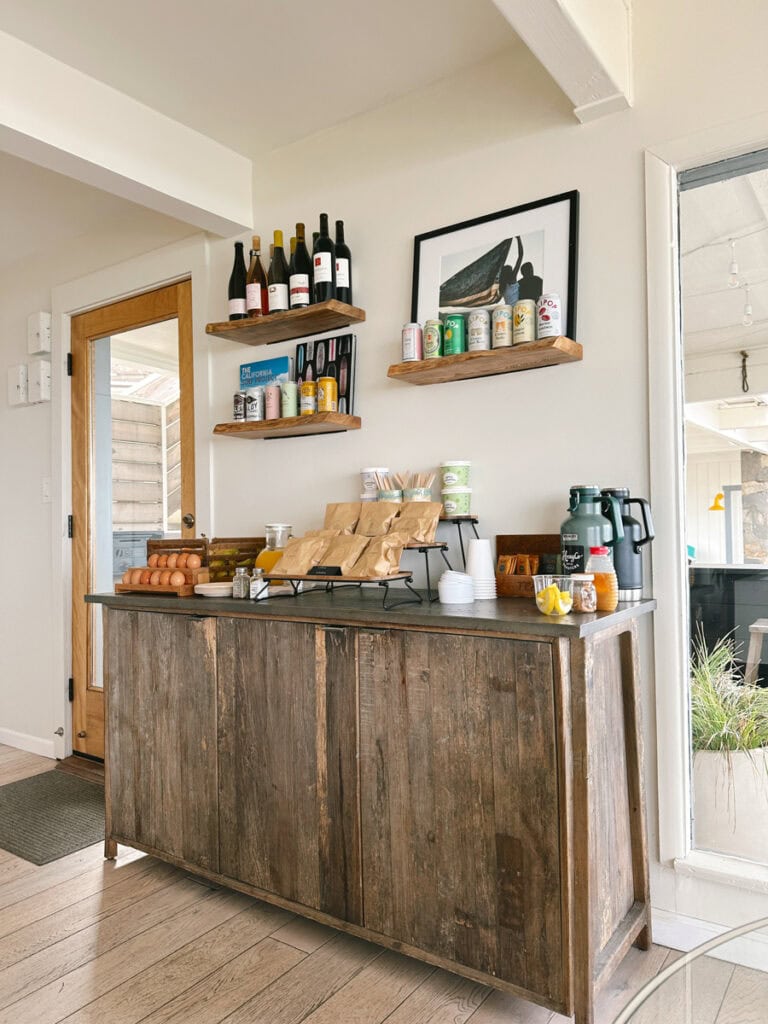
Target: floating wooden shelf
[291, 426]
[529, 356]
[296, 323]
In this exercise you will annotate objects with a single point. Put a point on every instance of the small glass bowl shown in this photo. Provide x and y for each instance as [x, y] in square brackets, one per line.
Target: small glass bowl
[554, 594]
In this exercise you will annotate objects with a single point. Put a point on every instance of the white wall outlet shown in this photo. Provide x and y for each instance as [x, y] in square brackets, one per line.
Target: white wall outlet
[39, 381]
[38, 333]
[46, 491]
[17, 385]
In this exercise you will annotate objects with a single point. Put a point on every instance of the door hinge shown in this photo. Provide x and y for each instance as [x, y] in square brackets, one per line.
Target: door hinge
[69, 364]
[71, 689]
[70, 527]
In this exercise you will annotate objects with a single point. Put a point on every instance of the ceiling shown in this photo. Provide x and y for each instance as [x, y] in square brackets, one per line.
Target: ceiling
[258, 74]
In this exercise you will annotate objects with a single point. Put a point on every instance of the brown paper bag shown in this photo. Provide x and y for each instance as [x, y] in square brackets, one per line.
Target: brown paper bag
[376, 517]
[301, 553]
[344, 551]
[342, 516]
[419, 520]
[381, 557]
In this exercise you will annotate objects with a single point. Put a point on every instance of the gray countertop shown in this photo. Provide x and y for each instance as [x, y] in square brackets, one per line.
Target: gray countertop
[353, 606]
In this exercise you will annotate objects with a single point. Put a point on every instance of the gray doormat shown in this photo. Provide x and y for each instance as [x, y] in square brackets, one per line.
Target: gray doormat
[47, 816]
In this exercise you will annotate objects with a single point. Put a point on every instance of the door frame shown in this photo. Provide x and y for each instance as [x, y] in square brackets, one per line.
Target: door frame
[189, 258]
[153, 306]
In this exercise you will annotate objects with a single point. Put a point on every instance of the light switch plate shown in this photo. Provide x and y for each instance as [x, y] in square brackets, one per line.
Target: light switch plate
[39, 381]
[17, 385]
[38, 333]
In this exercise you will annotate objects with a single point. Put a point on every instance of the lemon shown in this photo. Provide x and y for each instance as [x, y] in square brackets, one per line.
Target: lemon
[563, 603]
[546, 598]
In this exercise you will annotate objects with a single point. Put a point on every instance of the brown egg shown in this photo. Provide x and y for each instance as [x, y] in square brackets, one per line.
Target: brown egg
[165, 577]
[127, 576]
[181, 561]
[172, 559]
[154, 579]
[145, 576]
[152, 561]
[162, 561]
[177, 578]
[193, 561]
[136, 575]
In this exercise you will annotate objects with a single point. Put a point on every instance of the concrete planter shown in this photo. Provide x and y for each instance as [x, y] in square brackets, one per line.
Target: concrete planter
[730, 809]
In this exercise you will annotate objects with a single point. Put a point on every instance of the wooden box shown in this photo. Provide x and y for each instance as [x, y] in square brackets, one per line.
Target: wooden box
[186, 589]
[225, 554]
[510, 584]
[181, 545]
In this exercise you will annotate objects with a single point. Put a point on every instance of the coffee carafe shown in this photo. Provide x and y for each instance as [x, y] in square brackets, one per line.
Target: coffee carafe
[594, 521]
[628, 552]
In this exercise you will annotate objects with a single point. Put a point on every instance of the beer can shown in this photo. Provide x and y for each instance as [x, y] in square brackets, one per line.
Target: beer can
[479, 330]
[454, 340]
[502, 327]
[272, 402]
[433, 339]
[254, 404]
[238, 412]
[524, 321]
[308, 398]
[549, 316]
[327, 394]
[289, 398]
[413, 343]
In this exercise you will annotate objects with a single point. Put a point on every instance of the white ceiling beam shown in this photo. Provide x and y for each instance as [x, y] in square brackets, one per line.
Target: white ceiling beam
[585, 45]
[59, 118]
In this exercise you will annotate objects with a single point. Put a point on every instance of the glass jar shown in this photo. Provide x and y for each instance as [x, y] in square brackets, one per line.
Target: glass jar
[259, 586]
[584, 593]
[276, 536]
[241, 584]
[600, 564]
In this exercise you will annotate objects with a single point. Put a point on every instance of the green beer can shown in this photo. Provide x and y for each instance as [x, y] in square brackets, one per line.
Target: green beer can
[455, 335]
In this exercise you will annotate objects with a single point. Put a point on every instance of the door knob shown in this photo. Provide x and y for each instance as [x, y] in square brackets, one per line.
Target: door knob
[59, 731]
[82, 734]
[188, 520]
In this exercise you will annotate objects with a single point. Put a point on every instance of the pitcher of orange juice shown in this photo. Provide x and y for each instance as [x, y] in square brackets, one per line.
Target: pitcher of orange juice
[277, 535]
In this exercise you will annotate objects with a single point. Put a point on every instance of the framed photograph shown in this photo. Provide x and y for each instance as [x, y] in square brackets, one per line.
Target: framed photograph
[498, 259]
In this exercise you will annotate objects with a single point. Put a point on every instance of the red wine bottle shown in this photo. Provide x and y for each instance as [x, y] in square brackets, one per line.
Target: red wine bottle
[343, 266]
[300, 276]
[324, 264]
[277, 278]
[256, 283]
[237, 304]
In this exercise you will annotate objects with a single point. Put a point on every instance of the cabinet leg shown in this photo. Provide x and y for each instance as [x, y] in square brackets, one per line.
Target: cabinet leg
[644, 940]
[584, 1011]
[110, 849]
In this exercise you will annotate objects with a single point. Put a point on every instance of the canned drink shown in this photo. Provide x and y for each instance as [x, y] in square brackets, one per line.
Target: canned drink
[272, 402]
[454, 340]
[524, 321]
[433, 339]
[479, 336]
[327, 394]
[502, 327]
[413, 343]
[308, 398]
[289, 398]
[239, 406]
[549, 316]
[254, 404]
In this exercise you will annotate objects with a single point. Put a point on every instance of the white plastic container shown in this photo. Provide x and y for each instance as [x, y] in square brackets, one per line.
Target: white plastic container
[369, 496]
[368, 478]
[455, 474]
[457, 501]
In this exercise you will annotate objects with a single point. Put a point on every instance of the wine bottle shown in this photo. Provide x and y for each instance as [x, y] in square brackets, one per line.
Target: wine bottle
[277, 278]
[324, 263]
[237, 304]
[343, 266]
[300, 277]
[256, 300]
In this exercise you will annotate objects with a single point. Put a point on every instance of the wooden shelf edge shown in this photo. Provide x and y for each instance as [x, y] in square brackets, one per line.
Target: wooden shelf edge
[291, 426]
[529, 356]
[319, 318]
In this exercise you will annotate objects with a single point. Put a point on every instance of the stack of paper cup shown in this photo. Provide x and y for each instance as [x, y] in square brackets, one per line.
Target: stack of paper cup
[480, 568]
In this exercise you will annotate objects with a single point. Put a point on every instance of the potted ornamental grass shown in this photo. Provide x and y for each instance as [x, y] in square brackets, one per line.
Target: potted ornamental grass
[729, 726]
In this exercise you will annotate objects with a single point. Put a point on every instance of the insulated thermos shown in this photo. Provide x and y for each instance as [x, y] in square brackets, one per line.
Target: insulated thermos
[628, 552]
[594, 521]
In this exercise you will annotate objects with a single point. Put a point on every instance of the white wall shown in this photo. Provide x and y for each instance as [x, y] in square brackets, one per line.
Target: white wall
[706, 474]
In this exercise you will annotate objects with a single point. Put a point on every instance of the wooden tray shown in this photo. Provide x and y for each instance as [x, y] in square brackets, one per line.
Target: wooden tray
[195, 545]
[339, 579]
[187, 589]
[511, 584]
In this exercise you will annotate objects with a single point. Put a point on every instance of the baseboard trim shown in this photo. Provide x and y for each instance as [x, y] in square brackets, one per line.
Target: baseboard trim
[686, 933]
[32, 744]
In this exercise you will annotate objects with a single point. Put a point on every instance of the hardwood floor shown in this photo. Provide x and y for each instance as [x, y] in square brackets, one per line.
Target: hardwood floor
[134, 941]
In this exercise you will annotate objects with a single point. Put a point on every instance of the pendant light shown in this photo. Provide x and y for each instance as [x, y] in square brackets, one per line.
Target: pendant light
[733, 273]
[747, 317]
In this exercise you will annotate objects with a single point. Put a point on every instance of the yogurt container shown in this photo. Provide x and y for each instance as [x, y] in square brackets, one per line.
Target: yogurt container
[417, 494]
[456, 500]
[455, 474]
[368, 478]
[369, 496]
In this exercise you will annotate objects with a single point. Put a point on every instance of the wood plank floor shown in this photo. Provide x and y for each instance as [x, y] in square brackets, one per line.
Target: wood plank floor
[135, 941]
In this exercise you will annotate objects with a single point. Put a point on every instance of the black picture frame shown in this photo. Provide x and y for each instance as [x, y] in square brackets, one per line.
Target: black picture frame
[433, 251]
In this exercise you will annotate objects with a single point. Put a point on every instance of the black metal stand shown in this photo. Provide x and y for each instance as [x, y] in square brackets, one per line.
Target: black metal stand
[416, 599]
[458, 522]
[425, 550]
[339, 583]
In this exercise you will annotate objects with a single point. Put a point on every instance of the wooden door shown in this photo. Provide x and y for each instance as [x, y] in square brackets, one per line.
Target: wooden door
[459, 798]
[161, 734]
[90, 503]
[287, 761]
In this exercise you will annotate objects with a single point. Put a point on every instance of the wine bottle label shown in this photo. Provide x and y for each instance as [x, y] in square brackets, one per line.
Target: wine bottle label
[342, 273]
[237, 306]
[323, 267]
[253, 295]
[278, 297]
[299, 289]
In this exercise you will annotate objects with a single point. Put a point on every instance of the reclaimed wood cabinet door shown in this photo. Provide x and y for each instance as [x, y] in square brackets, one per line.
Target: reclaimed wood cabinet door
[288, 794]
[161, 733]
[460, 803]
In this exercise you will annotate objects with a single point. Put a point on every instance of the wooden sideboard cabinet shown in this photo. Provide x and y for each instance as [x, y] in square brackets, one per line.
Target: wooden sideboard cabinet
[466, 791]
